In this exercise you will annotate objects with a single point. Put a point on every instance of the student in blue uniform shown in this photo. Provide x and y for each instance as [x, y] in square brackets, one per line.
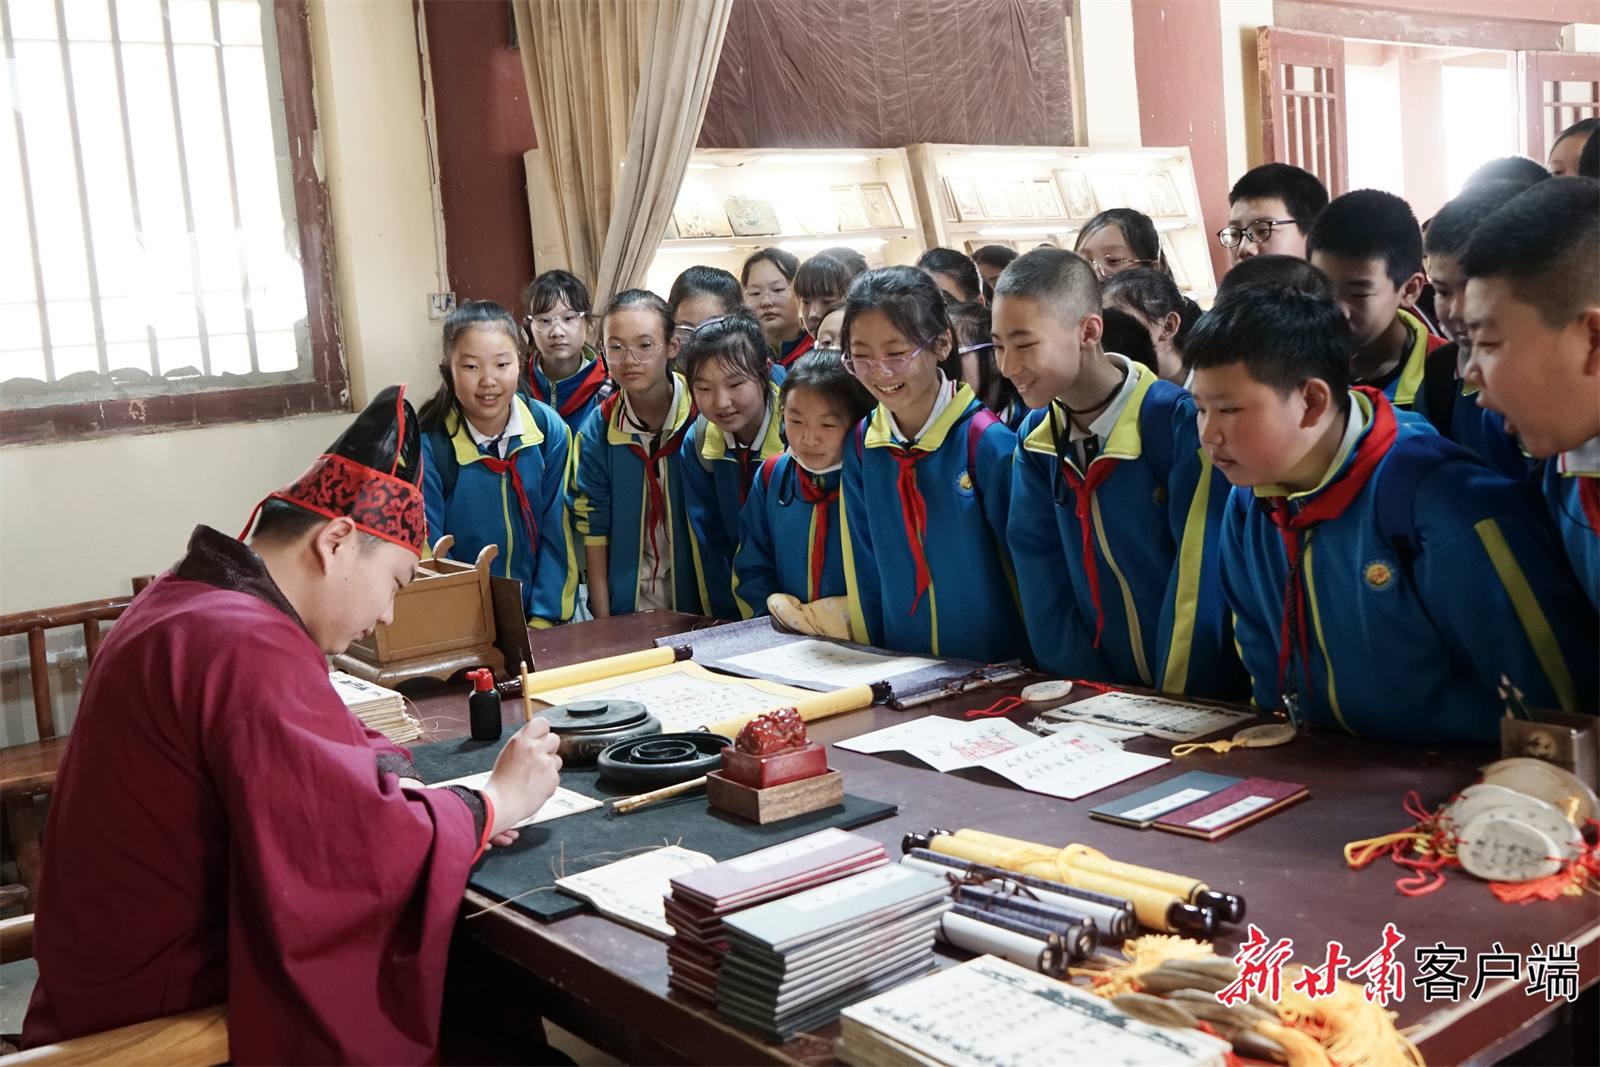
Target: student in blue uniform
[1533, 314]
[789, 528]
[1381, 579]
[564, 371]
[702, 293]
[495, 464]
[627, 485]
[820, 285]
[725, 361]
[1369, 245]
[768, 280]
[973, 362]
[1447, 399]
[926, 485]
[1114, 508]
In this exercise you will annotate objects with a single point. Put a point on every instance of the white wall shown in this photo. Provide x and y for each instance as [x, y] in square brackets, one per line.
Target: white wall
[1110, 88]
[1241, 81]
[78, 520]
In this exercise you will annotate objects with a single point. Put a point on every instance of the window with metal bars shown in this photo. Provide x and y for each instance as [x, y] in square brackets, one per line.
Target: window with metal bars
[162, 260]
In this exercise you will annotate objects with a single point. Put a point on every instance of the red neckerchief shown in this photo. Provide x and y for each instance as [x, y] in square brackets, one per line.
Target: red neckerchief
[1296, 527]
[746, 473]
[801, 348]
[1589, 498]
[812, 492]
[500, 466]
[593, 379]
[656, 507]
[1083, 499]
[913, 515]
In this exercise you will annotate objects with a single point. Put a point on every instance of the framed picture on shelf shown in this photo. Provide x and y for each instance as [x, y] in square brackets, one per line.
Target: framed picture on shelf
[879, 204]
[964, 197]
[1135, 193]
[750, 217]
[1107, 190]
[1164, 199]
[995, 202]
[1046, 200]
[1179, 275]
[1020, 201]
[1075, 192]
[847, 207]
[699, 213]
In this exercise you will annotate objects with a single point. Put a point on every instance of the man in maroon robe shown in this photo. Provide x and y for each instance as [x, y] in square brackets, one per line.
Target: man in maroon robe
[224, 829]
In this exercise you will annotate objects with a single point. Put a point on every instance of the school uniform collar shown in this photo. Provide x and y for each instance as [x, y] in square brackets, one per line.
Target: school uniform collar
[1117, 426]
[1583, 460]
[521, 431]
[623, 428]
[941, 400]
[1414, 363]
[767, 442]
[1356, 424]
[589, 356]
[502, 440]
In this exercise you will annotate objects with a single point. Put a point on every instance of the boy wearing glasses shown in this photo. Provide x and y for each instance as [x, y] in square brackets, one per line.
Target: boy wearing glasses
[1114, 508]
[1271, 210]
[564, 371]
[1369, 245]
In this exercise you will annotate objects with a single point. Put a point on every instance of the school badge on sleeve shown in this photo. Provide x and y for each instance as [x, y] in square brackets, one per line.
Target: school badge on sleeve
[964, 483]
[1378, 574]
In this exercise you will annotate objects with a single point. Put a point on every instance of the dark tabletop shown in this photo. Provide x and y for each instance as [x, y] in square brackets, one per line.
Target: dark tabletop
[608, 983]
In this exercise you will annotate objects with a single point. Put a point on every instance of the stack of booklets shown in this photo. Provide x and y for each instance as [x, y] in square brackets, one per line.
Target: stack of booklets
[700, 900]
[1201, 804]
[793, 963]
[381, 709]
[993, 1012]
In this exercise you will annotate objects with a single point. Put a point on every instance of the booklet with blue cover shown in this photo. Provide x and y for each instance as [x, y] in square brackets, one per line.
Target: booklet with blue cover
[1141, 809]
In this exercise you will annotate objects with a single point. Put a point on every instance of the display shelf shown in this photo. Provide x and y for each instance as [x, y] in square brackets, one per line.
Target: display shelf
[1025, 196]
[811, 197]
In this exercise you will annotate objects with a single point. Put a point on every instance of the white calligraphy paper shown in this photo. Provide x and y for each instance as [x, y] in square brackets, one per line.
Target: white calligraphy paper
[1070, 764]
[946, 744]
[1171, 720]
[563, 802]
[829, 664]
[683, 702]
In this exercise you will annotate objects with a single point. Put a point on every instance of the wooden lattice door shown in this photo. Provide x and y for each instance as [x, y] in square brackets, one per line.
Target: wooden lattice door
[1302, 103]
[1558, 89]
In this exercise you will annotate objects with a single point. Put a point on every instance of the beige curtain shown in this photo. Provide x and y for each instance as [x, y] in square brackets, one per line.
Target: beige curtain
[618, 89]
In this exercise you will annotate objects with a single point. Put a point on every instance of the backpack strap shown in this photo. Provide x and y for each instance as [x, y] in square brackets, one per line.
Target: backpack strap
[1155, 428]
[1409, 461]
[444, 459]
[1440, 387]
[699, 432]
[980, 421]
[768, 465]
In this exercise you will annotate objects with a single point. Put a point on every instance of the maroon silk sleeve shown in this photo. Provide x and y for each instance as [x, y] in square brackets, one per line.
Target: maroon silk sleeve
[343, 887]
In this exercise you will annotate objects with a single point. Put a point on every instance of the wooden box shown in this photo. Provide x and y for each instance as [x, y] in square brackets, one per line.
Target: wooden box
[775, 802]
[443, 623]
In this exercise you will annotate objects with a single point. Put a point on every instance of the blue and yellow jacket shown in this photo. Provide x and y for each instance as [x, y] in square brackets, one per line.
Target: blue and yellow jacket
[1415, 654]
[1153, 524]
[576, 396]
[1573, 493]
[610, 500]
[1406, 386]
[970, 608]
[483, 509]
[1477, 429]
[715, 482]
[779, 532]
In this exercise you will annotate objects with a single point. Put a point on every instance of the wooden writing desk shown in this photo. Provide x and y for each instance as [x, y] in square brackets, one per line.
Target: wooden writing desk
[608, 983]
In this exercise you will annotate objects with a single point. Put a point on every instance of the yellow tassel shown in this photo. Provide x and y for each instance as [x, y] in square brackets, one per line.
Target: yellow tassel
[1144, 954]
[1358, 1032]
[1302, 1048]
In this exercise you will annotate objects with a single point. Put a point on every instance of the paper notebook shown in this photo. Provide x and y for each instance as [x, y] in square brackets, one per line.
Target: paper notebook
[1170, 720]
[1141, 809]
[1232, 809]
[746, 877]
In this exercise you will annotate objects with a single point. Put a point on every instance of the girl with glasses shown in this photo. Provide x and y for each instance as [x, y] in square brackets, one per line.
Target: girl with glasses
[627, 485]
[930, 460]
[564, 372]
[789, 528]
[974, 363]
[726, 364]
[494, 463]
[768, 280]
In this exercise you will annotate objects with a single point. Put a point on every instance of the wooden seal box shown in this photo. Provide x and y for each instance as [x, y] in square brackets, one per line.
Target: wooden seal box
[772, 772]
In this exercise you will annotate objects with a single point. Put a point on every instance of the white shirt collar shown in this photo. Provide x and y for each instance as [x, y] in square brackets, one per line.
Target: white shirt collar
[946, 393]
[1585, 459]
[501, 441]
[761, 432]
[1104, 422]
[631, 423]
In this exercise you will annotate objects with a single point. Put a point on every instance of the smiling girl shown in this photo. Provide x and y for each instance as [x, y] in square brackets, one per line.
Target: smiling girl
[726, 364]
[931, 457]
[628, 481]
[789, 528]
[495, 463]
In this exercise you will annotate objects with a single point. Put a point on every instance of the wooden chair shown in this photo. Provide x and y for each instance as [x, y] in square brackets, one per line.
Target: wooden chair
[193, 1039]
[30, 769]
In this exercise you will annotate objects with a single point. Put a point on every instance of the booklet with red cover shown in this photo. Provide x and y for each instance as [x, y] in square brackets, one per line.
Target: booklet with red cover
[1232, 809]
